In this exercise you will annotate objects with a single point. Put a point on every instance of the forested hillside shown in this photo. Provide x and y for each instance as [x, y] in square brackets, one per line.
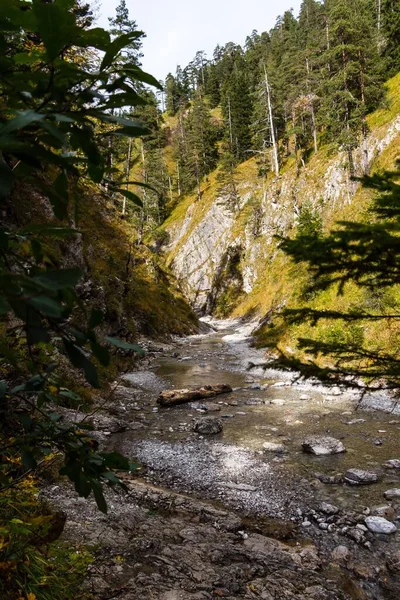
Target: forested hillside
[267, 140]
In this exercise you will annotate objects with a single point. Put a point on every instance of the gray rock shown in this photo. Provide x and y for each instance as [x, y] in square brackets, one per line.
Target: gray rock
[329, 509]
[394, 463]
[360, 477]
[305, 397]
[393, 562]
[208, 426]
[323, 445]
[341, 554]
[330, 479]
[278, 401]
[384, 511]
[355, 421]
[336, 391]
[392, 494]
[380, 525]
[355, 534]
[274, 447]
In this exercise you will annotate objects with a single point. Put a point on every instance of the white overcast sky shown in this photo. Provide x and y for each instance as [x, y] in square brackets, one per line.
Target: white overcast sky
[177, 29]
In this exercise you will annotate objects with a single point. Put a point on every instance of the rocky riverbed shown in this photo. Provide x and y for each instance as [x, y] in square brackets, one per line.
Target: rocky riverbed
[279, 489]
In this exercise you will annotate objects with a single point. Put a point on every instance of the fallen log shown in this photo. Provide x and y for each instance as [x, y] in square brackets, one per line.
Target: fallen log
[172, 397]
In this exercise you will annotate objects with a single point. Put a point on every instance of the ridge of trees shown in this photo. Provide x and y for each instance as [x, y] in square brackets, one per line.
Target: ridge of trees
[309, 80]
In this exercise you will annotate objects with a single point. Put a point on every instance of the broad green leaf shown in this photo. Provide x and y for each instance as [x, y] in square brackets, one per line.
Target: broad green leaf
[83, 485]
[96, 317]
[28, 460]
[117, 45]
[3, 389]
[80, 361]
[101, 353]
[57, 280]
[96, 37]
[139, 75]
[56, 26]
[130, 195]
[4, 306]
[127, 99]
[47, 230]
[37, 250]
[140, 184]
[23, 119]
[99, 497]
[47, 306]
[132, 132]
[115, 460]
[124, 345]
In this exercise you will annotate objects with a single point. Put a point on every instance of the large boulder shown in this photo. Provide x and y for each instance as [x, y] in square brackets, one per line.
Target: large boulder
[208, 426]
[322, 445]
[173, 397]
[360, 477]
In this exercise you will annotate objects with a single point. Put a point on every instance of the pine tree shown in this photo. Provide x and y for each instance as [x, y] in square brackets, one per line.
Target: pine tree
[121, 24]
[353, 86]
[389, 26]
[201, 141]
[237, 110]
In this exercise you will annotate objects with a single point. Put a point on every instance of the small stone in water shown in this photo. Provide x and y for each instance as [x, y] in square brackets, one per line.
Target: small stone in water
[305, 397]
[323, 445]
[394, 463]
[278, 401]
[392, 494]
[329, 509]
[384, 511]
[273, 447]
[380, 525]
[208, 425]
[360, 477]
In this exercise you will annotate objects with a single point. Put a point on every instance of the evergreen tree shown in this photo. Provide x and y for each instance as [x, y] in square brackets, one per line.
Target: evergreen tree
[389, 29]
[201, 141]
[237, 110]
[353, 86]
[121, 24]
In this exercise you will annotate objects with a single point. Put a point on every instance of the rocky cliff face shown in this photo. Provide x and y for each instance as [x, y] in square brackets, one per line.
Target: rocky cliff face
[221, 254]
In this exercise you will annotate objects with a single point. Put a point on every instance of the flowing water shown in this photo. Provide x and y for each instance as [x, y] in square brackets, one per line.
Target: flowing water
[265, 406]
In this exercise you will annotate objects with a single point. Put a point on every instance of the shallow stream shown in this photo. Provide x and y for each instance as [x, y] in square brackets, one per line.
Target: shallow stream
[265, 406]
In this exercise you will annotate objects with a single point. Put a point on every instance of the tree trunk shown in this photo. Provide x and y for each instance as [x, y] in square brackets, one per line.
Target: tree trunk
[271, 122]
[230, 124]
[173, 397]
[179, 178]
[127, 172]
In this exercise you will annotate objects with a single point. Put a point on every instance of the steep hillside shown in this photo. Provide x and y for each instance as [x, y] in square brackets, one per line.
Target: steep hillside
[226, 257]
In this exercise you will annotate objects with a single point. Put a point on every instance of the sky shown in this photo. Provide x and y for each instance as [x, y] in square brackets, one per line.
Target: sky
[177, 29]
